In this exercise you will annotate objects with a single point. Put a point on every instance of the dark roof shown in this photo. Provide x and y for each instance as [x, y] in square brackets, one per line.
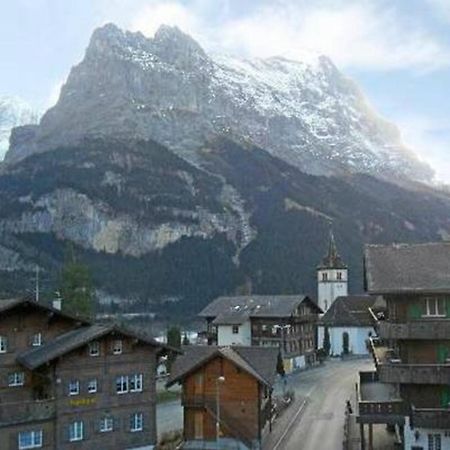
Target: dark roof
[9, 304]
[408, 268]
[238, 309]
[74, 339]
[260, 362]
[350, 311]
[332, 260]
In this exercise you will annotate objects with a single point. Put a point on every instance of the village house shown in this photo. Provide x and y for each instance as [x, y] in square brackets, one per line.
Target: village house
[226, 395]
[284, 322]
[67, 383]
[410, 388]
[349, 323]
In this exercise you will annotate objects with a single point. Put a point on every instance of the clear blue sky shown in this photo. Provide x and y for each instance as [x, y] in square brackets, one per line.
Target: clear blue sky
[398, 51]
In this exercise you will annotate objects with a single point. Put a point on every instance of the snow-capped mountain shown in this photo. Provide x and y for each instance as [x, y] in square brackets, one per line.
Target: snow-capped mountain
[13, 113]
[169, 89]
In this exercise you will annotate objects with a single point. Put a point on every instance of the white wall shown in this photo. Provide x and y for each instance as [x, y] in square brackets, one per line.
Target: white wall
[422, 441]
[328, 291]
[356, 342]
[225, 335]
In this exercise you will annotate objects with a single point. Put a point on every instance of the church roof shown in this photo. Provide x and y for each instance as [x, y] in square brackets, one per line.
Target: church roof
[350, 311]
[408, 268]
[238, 309]
[332, 260]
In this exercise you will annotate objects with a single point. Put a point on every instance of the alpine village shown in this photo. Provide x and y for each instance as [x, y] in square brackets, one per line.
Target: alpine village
[207, 252]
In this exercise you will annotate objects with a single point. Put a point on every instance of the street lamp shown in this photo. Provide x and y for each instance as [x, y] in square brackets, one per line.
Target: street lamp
[220, 380]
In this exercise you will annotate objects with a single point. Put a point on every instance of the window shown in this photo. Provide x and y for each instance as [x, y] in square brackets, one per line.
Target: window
[136, 382]
[435, 307]
[324, 277]
[92, 386]
[16, 379]
[339, 275]
[76, 431]
[235, 329]
[434, 442]
[122, 384]
[3, 344]
[36, 340]
[106, 424]
[137, 422]
[74, 387]
[94, 348]
[117, 347]
[30, 439]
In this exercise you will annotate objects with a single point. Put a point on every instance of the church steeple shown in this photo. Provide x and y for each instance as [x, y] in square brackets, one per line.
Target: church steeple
[332, 260]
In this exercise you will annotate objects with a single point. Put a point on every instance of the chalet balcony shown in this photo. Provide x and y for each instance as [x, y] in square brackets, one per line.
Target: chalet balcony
[430, 418]
[22, 412]
[427, 329]
[414, 373]
[378, 402]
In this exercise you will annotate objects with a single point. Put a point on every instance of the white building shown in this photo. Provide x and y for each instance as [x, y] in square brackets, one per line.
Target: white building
[349, 324]
[332, 282]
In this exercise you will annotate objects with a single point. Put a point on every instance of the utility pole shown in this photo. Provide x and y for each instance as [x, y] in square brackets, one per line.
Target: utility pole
[36, 291]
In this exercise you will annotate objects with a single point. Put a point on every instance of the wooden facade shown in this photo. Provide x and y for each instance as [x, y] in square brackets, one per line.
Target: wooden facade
[45, 405]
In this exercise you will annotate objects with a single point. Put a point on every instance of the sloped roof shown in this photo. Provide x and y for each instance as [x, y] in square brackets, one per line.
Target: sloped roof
[238, 309]
[350, 311]
[9, 304]
[74, 339]
[408, 268]
[332, 260]
[260, 362]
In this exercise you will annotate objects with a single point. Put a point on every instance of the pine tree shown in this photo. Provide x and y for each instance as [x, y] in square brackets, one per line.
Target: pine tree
[326, 342]
[173, 340]
[186, 340]
[280, 365]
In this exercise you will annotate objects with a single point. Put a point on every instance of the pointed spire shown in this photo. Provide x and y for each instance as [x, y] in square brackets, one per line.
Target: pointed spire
[332, 259]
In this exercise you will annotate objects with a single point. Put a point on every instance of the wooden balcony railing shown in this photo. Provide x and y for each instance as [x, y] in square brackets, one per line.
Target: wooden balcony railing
[21, 412]
[414, 373]
[430, 418]
[429, 329]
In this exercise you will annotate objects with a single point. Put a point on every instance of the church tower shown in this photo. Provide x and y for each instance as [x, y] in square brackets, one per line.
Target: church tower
[332, 277]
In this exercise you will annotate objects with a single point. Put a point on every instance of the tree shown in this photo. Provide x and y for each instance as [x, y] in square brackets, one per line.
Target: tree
[76, 287]
[345, 343]
[186, 339]
[280, 365]
[326, 341]
[173, 340]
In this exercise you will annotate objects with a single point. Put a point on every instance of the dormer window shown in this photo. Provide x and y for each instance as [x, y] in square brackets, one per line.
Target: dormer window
[36, 340]
[3, 344]
[434, 307]
[94, 348]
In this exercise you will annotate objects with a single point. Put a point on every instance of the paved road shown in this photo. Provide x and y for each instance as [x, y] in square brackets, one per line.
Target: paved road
[169, 417]
[317, 424]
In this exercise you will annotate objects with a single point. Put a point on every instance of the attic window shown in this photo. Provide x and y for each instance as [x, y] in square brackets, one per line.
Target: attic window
[36, 340]
[94, 348]
[117, 347]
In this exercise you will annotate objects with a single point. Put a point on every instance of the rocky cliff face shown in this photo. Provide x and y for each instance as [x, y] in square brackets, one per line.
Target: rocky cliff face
[168, 89]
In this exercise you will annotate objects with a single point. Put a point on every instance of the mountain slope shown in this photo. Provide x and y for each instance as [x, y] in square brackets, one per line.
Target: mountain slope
[170, 90]
[165, 235]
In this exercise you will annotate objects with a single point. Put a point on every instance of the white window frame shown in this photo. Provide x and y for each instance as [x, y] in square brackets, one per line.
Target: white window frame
[35, 439]
[106, 424]
[92, 386]
[136, 382]
[117, 347]
[123, 382]
[432, 306]
[434, 441]
[3, 344]
[235, 329]
[137, 422]
[36, 340]
[74, 387]
[76, 431]
[94, 348]
[18, 379]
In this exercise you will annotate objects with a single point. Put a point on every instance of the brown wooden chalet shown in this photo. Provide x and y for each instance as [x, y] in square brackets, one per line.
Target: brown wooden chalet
[286, 322]
[411, 385]
[227, 394]
[67, 383]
